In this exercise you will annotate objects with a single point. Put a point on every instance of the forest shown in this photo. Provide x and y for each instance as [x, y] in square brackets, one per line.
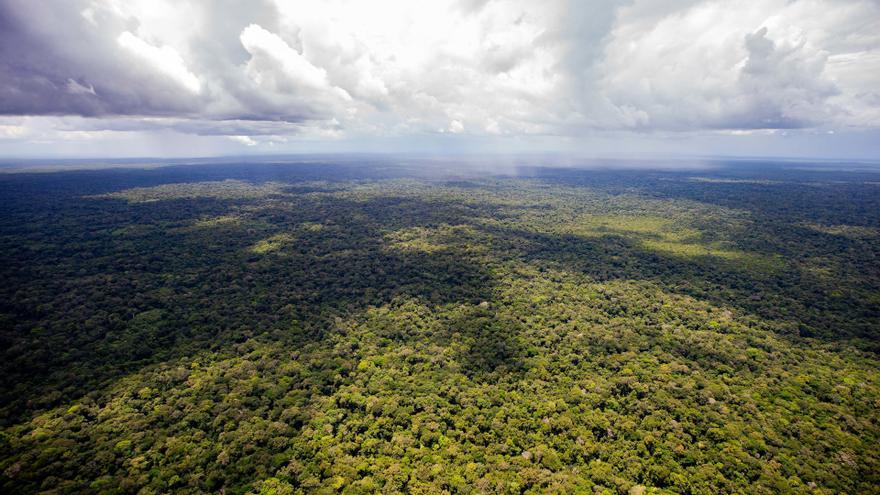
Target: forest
[389, 327]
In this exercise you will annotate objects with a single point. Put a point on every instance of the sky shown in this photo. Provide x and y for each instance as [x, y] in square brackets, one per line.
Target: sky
[175, 78]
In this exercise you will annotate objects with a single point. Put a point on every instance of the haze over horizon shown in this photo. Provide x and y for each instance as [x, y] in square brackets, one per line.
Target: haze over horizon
[104, 78]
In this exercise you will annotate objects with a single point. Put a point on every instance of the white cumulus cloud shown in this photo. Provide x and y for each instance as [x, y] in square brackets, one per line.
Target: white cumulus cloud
[724, 65]
[165, 59]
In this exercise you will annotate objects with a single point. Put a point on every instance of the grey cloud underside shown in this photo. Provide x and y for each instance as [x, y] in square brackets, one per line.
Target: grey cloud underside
[54, 62]
[194, 126]
[46, 50]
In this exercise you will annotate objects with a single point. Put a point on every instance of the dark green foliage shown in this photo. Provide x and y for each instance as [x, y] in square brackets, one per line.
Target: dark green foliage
[325, 329]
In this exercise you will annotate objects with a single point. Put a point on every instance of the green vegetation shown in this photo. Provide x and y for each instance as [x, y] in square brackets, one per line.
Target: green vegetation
[227, 189]
[293, 329]
[660, 234]
[273, 243]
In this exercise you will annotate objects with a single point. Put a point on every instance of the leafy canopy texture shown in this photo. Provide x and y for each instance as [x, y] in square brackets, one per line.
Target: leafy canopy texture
[287, 329]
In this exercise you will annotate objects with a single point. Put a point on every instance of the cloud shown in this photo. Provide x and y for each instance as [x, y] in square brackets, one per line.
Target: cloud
[749, 65]
[276, 65]
[54, 60]
[347, 69]
[164, 59]
[76, 88]
[245, 140]
[283, 83]
[786, 84]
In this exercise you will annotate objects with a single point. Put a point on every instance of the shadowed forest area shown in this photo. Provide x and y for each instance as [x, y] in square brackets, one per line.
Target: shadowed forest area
[387, 328]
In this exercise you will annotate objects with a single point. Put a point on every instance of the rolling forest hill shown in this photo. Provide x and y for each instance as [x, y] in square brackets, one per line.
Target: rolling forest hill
[390, 327]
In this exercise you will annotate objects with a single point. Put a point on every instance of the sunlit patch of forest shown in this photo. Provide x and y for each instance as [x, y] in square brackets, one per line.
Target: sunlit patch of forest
[327, 328]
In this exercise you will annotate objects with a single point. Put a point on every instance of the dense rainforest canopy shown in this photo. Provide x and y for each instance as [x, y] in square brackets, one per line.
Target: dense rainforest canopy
[378, 328]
